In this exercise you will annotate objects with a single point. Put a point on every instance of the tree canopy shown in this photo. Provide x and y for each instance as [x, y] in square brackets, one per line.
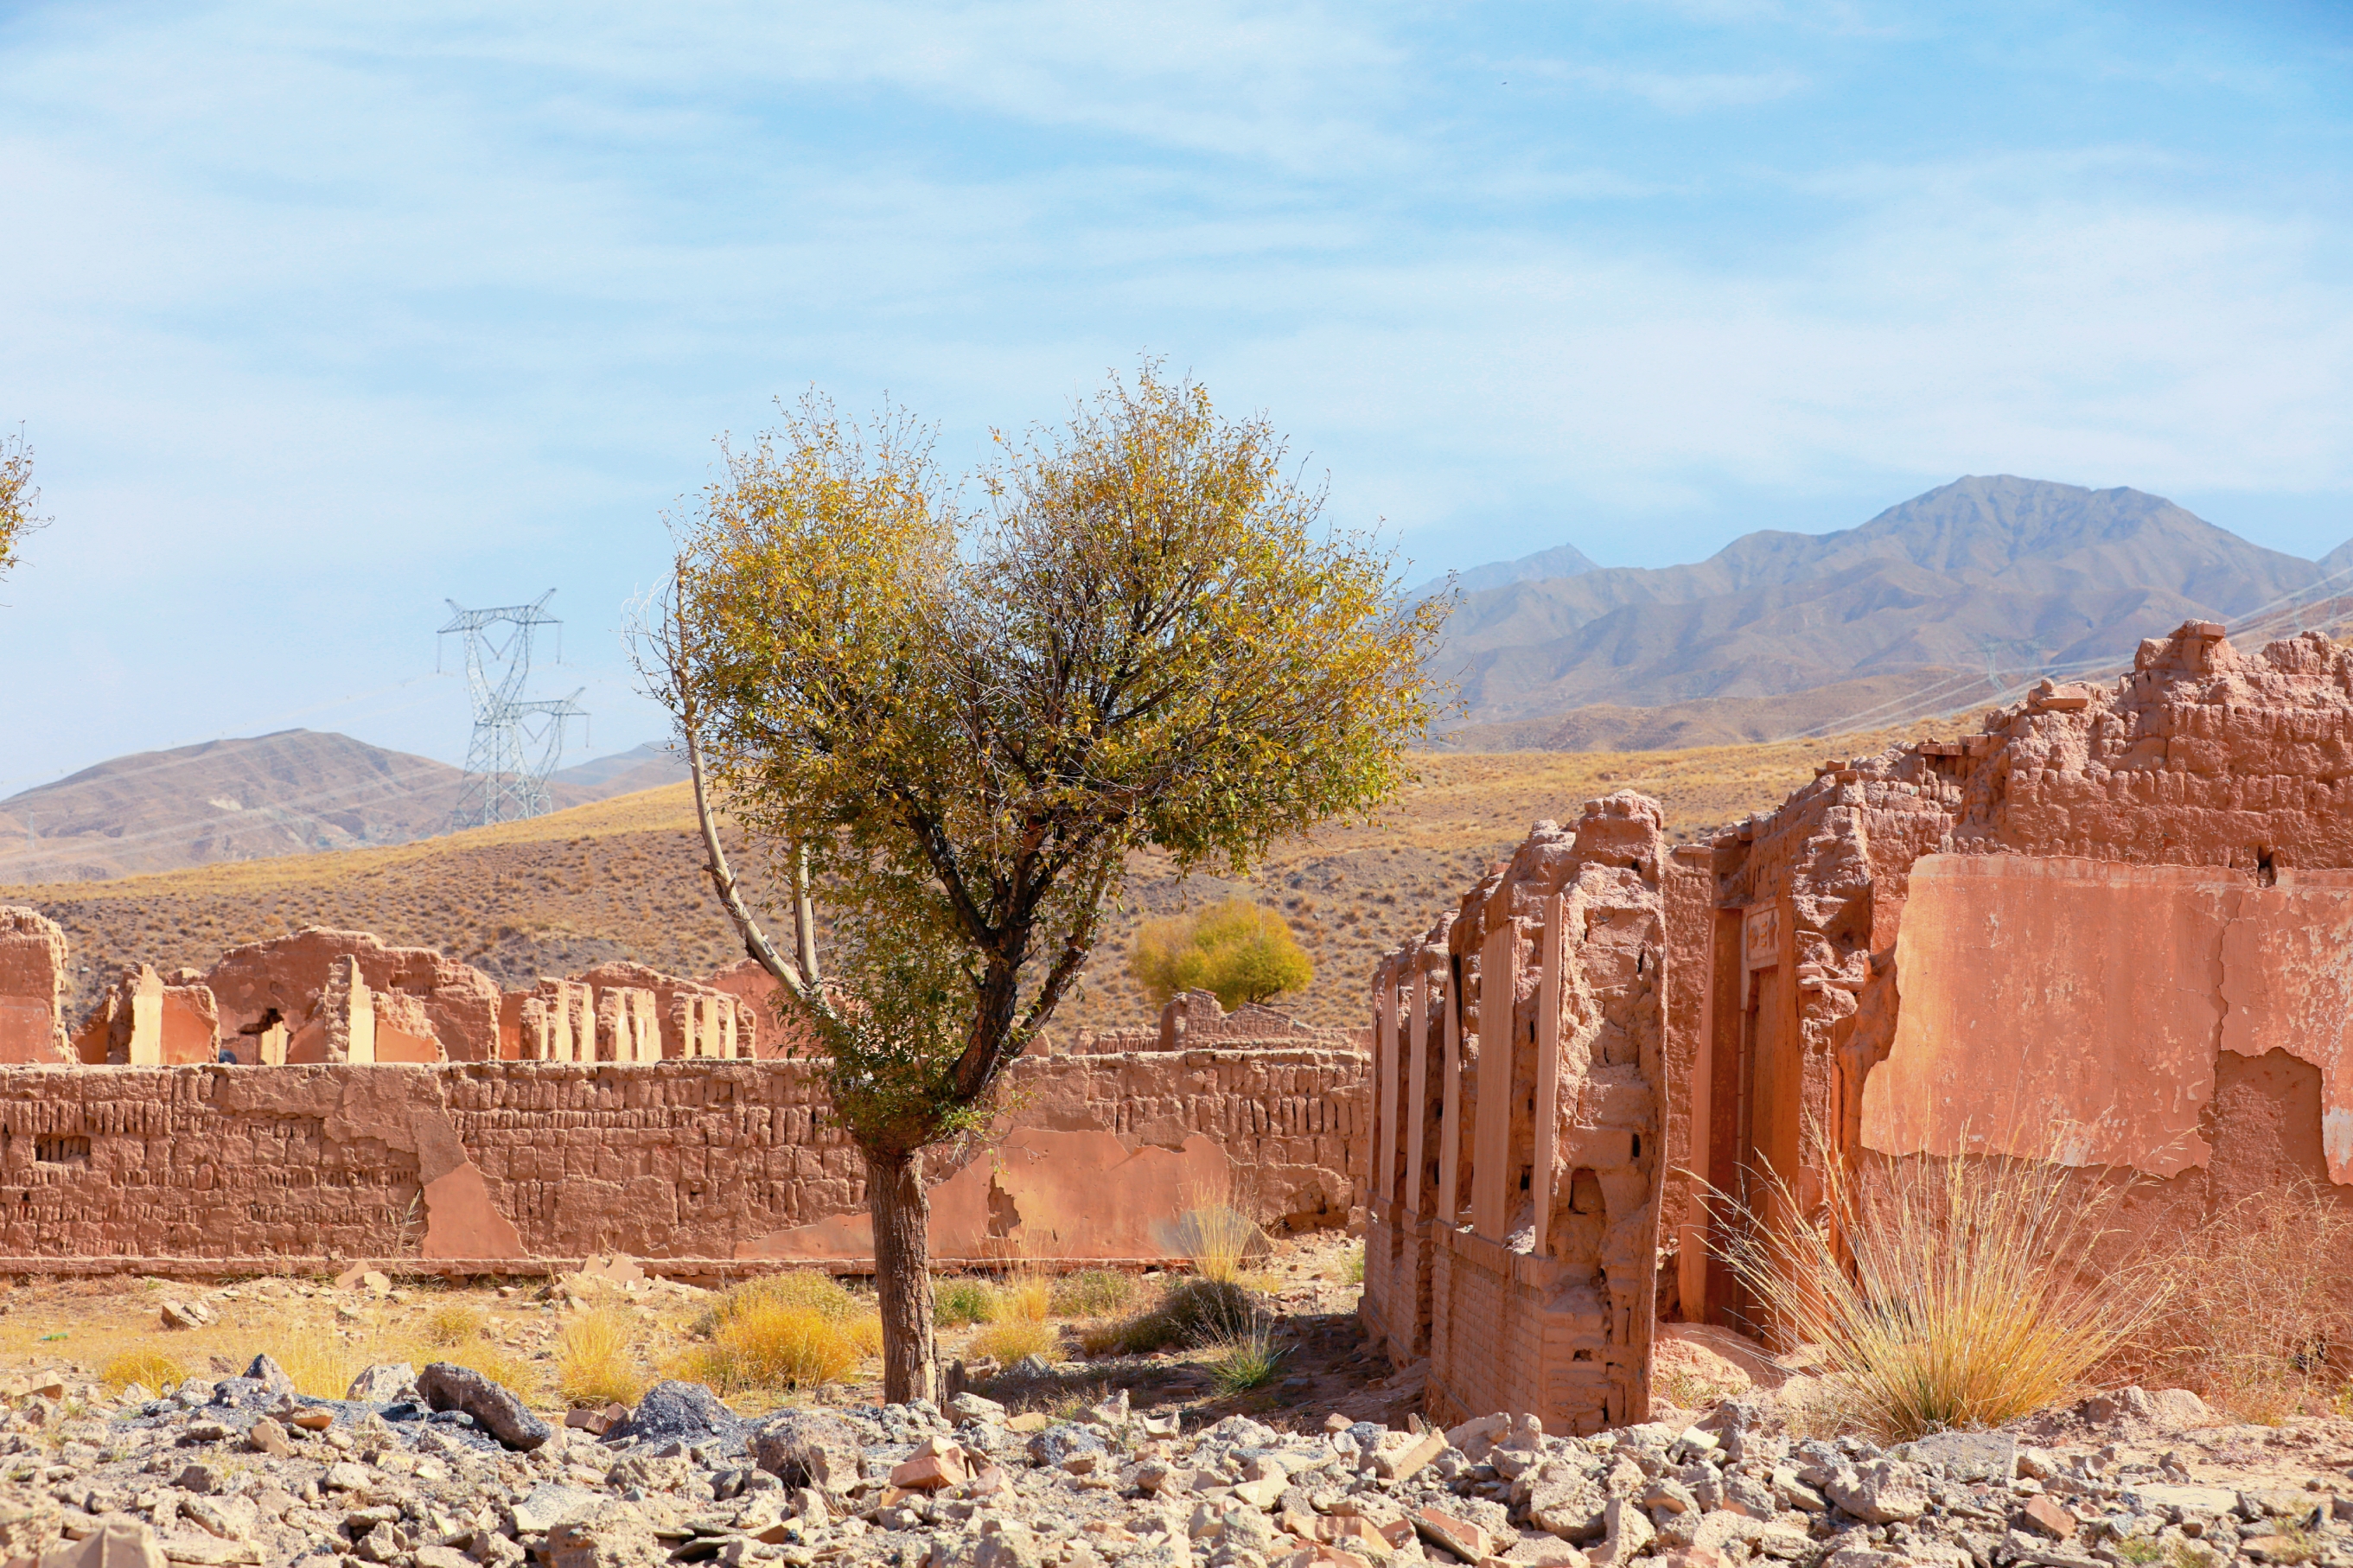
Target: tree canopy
[18, 497]
[950, 714]
[1241, 951]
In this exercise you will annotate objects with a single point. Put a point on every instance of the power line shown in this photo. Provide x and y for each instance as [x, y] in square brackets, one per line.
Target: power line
[517, 742]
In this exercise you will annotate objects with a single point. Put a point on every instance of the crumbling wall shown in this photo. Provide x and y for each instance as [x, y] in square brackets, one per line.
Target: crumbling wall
[1196, 1018]
[145, 1020]
[32, 987]
[266, 983]
[711, 1165]
[2058, 936]
[1542, 1241]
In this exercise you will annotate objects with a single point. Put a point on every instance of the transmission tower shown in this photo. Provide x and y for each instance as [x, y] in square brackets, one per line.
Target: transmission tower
[516, 744]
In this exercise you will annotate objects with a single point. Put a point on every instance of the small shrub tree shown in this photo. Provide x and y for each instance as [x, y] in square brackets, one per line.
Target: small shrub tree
[18, 497]
[1240, 950]
[958, 724]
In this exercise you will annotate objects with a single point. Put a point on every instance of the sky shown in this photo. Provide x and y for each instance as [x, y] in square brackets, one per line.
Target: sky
[319, 317]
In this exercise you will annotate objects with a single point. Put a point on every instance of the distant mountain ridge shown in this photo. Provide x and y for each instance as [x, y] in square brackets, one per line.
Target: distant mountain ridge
[294, 792]
[2001, 570]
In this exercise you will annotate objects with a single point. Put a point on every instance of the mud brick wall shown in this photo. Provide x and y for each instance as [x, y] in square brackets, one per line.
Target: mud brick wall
[2112, 925]
[492, 1166]
[1517, 1148]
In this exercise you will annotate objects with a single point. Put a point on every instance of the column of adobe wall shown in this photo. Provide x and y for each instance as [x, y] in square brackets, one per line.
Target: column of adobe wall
[1568, 945]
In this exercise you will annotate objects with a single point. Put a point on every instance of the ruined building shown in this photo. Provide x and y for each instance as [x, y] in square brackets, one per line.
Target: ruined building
[2112, 929]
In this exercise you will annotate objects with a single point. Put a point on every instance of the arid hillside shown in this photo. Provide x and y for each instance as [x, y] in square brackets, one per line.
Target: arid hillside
[621, 878]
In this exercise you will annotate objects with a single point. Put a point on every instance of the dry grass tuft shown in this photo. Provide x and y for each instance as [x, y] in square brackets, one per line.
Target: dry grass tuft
[150, 1369]
[1010, 1339]
[1969, 1302]
[866, 1333]
[2260, 1324]
[1194, 1312]
[320, 1365]
[766, 1345]
[1220, 1239]
[596, 1361]
[454, 1323]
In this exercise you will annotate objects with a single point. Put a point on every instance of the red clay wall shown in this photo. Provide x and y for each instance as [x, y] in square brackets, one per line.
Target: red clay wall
[2090, 916]
[491, 1165]
[1519, 1251]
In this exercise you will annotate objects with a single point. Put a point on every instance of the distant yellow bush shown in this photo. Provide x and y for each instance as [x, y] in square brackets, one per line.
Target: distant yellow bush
[768, 1345]
[596, 1361]
[454, 1323]
[1010, 1339]
[150, 1369]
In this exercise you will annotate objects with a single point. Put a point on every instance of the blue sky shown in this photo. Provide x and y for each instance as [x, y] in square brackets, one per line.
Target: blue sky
[318, 315]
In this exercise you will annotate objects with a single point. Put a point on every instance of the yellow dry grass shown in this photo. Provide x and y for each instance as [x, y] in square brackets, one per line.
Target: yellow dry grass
[1948, 1293]
[767, 1345]
[454, 1322]
[149, 1369]
[1007, 1341]
[597, 1359]
[2261, 1320]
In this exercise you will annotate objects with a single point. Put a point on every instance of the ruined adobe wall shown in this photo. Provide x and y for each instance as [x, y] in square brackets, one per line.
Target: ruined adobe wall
[489, 1166]
[1531, 1235]
[2118, 915]
[32, 987]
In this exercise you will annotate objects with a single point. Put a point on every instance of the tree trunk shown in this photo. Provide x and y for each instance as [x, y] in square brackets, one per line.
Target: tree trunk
[903, 1274]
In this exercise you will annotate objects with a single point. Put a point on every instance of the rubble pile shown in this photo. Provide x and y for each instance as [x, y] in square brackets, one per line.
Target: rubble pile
[444, 1469]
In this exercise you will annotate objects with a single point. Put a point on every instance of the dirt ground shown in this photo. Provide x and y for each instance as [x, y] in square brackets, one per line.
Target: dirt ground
[75, 1333]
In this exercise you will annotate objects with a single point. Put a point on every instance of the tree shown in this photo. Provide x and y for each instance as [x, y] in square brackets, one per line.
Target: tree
[956, 720]
[18, 497]
[1241, 951]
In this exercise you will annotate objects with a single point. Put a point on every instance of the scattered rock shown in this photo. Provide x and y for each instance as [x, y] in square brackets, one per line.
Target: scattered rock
[385, 1385]
[495, 1409]
[809, 1448]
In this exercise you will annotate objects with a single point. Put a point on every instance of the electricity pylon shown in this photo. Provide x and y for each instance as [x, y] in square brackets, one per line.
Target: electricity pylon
[516, 744]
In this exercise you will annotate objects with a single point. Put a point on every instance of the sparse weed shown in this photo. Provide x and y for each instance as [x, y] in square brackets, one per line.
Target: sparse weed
[1352, 1265]
[2262, 1319]
[2139, 1550]
[1094, 1293]
[960, 1300]
[1193, 1312]
[320, 1364]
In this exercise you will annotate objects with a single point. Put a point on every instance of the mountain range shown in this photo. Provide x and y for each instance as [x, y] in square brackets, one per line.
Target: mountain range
[1998, 573]
[291, 793]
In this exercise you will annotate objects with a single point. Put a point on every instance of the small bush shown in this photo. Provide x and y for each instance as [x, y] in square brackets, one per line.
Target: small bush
[1094, 1293]
[1948, 1294]
[596, 1363]
[149, 1369]
[961, 1301]
[1352, 1265]
[805, 1289]
[454, 1323]
[1008, 1340]
[768, 1345]
[1244, 1357]
[866, 1333]
[1193, 1313]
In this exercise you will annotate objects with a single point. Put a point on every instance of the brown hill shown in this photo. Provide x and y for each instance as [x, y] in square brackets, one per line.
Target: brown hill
[2020, 571]
[293, 793]
[621, 878]
[1727, 721]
